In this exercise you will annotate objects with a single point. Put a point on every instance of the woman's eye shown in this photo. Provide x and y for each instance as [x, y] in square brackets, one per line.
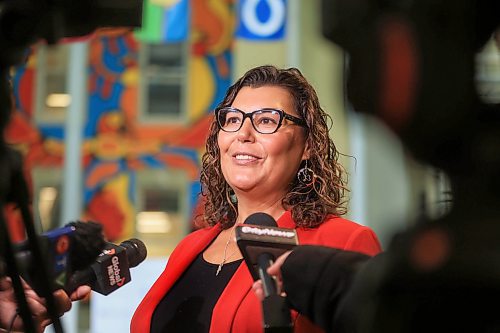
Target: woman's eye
[232, 120]
[267, 121]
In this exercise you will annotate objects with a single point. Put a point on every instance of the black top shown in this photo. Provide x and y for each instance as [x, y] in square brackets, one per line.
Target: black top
[187, 306]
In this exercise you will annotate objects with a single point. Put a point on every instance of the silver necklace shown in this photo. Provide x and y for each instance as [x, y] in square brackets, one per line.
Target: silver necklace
[224, 258]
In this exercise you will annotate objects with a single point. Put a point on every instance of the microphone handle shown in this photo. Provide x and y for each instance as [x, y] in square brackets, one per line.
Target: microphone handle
[270, 287]
[79, 278]
[276, 313]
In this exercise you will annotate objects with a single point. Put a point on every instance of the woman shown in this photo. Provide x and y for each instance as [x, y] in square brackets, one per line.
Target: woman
[279, 161]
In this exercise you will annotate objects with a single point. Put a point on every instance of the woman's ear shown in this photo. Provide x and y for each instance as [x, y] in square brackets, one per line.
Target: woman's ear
[307, 153]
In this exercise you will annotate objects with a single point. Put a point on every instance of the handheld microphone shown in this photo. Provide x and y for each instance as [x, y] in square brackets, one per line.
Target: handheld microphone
[111, 269]
[261, 235]
[67, 250]
[261, 242]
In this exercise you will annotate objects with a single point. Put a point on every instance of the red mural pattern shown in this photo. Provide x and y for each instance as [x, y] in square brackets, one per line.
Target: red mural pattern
[116, 144]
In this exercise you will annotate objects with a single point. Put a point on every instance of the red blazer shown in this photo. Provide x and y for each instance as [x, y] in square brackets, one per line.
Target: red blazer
[238, 309]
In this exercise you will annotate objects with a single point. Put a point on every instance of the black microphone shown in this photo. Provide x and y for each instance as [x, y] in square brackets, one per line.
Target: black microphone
[67, 249]
[261, 242]
[111, 269]
[259, 235]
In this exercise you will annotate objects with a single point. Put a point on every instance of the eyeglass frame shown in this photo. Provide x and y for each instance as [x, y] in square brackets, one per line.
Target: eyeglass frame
[283, 115]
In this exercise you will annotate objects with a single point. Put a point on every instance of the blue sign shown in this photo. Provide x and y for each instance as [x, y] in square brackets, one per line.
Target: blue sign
[262, 19]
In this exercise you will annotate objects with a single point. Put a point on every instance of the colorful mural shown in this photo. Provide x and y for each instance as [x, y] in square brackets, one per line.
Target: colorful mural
[116, 145]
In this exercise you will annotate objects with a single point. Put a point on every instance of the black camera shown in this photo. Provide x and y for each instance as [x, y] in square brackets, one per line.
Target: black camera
[23, 22]
[413, 65]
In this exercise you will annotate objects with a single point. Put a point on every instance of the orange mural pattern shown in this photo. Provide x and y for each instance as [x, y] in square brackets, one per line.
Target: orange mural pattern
[116, 144]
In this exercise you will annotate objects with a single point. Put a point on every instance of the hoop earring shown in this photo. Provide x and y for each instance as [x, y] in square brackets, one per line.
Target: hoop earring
[306, 175]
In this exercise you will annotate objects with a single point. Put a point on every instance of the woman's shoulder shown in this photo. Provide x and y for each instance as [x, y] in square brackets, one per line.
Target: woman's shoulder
[336, 222]
[348, 228]
[339, 232]
[198, 236]
[199, 233]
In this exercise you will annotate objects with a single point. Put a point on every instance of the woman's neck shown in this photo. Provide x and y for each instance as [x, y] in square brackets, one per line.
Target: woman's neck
[248, 207]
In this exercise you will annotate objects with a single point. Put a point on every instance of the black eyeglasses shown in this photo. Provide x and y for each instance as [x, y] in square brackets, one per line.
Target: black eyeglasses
[265, 121]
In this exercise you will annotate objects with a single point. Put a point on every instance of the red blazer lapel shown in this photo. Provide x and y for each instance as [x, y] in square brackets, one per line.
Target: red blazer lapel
[179, 260]
[232, 296]
[237, 289]
[184, 255]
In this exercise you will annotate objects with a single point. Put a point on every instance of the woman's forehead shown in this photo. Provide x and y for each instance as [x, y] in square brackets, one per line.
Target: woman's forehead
[250, 99]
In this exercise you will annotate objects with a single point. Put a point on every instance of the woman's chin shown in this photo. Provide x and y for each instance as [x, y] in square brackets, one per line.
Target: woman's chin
[246, 188]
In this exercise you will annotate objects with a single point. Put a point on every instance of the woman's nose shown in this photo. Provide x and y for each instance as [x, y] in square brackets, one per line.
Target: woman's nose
[246, 132]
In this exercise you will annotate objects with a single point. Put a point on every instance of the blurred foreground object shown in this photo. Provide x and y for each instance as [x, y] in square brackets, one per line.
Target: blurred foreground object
[23, 23]
[412, 65]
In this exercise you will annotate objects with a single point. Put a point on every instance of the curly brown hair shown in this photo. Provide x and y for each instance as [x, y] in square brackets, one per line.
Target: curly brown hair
[309, 204]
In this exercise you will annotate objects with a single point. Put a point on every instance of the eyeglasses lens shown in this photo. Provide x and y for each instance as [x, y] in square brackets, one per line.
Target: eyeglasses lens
[264, 121]
[230, 120]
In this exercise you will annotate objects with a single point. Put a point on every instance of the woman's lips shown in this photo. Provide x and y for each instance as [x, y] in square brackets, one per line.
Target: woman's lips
[241, 158]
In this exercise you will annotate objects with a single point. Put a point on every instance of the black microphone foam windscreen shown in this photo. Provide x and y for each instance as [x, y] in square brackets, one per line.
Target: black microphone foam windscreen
[262, 219]
[136, 251]
[67, 250]
[88, 242]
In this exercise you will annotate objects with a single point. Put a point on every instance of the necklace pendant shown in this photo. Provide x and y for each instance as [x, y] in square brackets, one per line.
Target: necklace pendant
[219, 268]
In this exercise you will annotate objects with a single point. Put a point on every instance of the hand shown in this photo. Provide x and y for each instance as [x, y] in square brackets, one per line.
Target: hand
[36, 303]
[275, 271]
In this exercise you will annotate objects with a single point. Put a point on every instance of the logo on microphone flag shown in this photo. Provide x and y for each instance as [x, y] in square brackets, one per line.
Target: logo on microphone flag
[164, 21]
[261, 19]
[109, 252]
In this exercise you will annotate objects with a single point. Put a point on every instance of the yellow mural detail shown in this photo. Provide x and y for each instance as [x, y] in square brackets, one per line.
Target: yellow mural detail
[212, 26]
[109, 146]
[130, 77]
[201, 87]
[31, 62]
[53, 147]
[226, 18]
[164, 3]
[114, 120]
[23, 148]
[137, 148]
[119, 186]
[113, 146]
